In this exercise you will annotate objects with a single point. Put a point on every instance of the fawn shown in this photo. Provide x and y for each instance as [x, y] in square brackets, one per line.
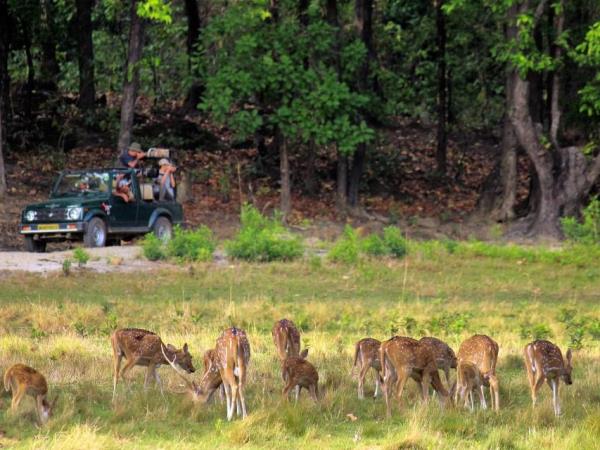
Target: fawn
[445, 358]
[145, 348]
[544, 362]
[297, 372]
[23, 380]
[404, 357]
[232, 358]
[366, 356]
[480, 354]
[286, 338]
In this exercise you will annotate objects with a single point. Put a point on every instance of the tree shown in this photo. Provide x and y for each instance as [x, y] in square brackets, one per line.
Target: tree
[442, 90]
[85, 53]
[4, 88]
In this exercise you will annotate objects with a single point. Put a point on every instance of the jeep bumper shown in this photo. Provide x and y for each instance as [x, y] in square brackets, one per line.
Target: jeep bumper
[52, 228]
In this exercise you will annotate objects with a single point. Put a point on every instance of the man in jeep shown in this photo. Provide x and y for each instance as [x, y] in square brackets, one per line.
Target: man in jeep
[131, 157]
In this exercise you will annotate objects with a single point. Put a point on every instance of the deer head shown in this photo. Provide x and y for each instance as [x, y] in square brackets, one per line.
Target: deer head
[182, 357]
[566, 374]
[47, 409]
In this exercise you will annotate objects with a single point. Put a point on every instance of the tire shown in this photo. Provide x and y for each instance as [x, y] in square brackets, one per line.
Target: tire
[34, 246]
[95, 233]
[163, 228]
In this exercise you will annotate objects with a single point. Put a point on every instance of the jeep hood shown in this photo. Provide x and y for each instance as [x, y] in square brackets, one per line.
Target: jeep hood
[64, 202]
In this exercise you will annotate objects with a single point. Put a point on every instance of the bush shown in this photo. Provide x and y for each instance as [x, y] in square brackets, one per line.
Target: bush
[533, 332]
[373, 245]
[588, 231]
[153, 247]
[66, 267]
[263, 239]
[394, 241]
[81, 256]
[192, 245]
[347, 248]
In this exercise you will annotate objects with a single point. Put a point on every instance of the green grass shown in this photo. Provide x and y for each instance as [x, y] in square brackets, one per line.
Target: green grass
[60, 325]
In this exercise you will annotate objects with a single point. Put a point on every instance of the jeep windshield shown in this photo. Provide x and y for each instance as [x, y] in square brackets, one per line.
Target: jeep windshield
[81, 183]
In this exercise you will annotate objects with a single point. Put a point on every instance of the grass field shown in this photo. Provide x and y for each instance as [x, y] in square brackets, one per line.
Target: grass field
[60, 325]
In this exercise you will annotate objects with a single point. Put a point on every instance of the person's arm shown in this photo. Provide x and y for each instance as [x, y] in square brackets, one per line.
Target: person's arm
[172, 180]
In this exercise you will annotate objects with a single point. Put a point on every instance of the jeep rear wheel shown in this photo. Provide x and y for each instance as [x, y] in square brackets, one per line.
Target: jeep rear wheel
[163, 229]
[34, 245]
[95, 234]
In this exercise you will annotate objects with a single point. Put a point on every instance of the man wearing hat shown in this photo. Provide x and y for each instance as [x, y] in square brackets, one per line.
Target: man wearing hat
[131, 157]
[165, 182]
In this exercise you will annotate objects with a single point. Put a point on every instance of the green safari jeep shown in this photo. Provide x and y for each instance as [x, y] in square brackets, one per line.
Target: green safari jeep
[83, 206]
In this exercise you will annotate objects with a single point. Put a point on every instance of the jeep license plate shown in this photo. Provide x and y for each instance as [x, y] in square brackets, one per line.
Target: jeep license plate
[48, 226]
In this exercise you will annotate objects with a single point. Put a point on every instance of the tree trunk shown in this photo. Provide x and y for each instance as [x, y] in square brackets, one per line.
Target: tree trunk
[310, 180]
[193, 30]
[85, 54]
[30, 72]
[49, 70]
[342, 182]
[132, 75]
[358, 165]
[4, 91]
[442, 138]
[555, 112]
[284, 168]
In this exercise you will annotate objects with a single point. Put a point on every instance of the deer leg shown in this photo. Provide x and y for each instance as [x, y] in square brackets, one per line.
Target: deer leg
[494, 393]
[402, 377]
[228, 399]
[388, 379]
[425, 381]
[128, 366]
[377, 384]
[234, 398]
[243, 399]
[539, 380]
[117, 358]
[361, 380]
[298, 387]
[482, 396]
[555, 399]
[312, 390]
[149, 375]
[18, 394]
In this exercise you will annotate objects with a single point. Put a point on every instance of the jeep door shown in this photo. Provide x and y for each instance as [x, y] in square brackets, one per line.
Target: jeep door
[123, 215]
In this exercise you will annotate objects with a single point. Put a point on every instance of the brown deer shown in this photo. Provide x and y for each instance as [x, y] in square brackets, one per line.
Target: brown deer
[445, 358]
[145, 348]
[544, 362]
[286, 338]
[366, 356]
[480, 354]
[297, 372]
[404, 357]
[232, 357]
[23, 380]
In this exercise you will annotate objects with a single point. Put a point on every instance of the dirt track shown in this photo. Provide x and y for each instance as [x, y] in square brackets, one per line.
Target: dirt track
[108, 259]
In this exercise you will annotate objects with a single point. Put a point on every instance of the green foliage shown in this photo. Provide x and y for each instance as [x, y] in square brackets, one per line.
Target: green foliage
[449, 323]
[81, 256]
[533, 332]
[394, 242]
[349, 246]
[66, 267]
[263, 239]
[158, 10]
[373, 245]
[588, 231]
[346, 248]
[153, 248]
[192, 245]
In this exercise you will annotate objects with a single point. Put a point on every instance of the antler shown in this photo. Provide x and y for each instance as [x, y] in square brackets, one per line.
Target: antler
[190, 384]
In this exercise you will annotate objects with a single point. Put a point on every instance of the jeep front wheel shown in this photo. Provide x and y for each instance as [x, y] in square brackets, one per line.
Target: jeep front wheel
[163, 229]
[95, 234]
[34, 246]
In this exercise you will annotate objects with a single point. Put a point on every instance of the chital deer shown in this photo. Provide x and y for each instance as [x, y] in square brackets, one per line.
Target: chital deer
[232, 356]
[297, 372]
[477, 359]
[286, 338]
[145, 348]
[445, 358]
[366, 356]
[23, 380]
[544, 362]
[404, 357]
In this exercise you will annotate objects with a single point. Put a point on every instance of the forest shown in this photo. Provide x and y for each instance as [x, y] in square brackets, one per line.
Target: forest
[313, 88]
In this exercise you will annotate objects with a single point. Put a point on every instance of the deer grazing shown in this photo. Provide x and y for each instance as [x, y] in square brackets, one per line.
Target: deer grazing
[476, 368]
[297, 372]
[145, 348]
[445, 358]
[404, 357]
[286, 338]
[23, 380]
[544, 362]
[366, 356]
[232, 357]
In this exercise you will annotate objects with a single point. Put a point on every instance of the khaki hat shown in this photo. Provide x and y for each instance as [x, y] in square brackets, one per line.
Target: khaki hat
[135, 146]
[163, 162]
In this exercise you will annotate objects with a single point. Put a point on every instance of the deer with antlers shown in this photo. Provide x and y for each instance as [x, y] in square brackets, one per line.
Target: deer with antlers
[366, 356]
[402, 358]
[476, 368]
[23, 380]
[145, 348]
[544, 362]
[286, 338]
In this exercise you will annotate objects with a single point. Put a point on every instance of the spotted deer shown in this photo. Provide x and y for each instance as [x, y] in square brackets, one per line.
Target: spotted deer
[544, 362]
[404, 357]
[477, 359]
[232, 358]
[366, 356]
[286, 338]
[298, 373]
[23, 380]
[145, 348]
[445, 358]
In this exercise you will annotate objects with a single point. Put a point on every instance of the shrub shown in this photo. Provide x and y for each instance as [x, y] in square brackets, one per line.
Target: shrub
[347, 247]
[66, 267]
[533, 332]
[192, 245]
[394, 241]
[588, 231]
[263, 239]
[594, 329]
[153, 247]
[81, 256]
[373, 245]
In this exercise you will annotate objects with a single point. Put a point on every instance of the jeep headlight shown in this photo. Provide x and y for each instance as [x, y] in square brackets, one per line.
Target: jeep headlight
[74, 213]
[30, 215]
